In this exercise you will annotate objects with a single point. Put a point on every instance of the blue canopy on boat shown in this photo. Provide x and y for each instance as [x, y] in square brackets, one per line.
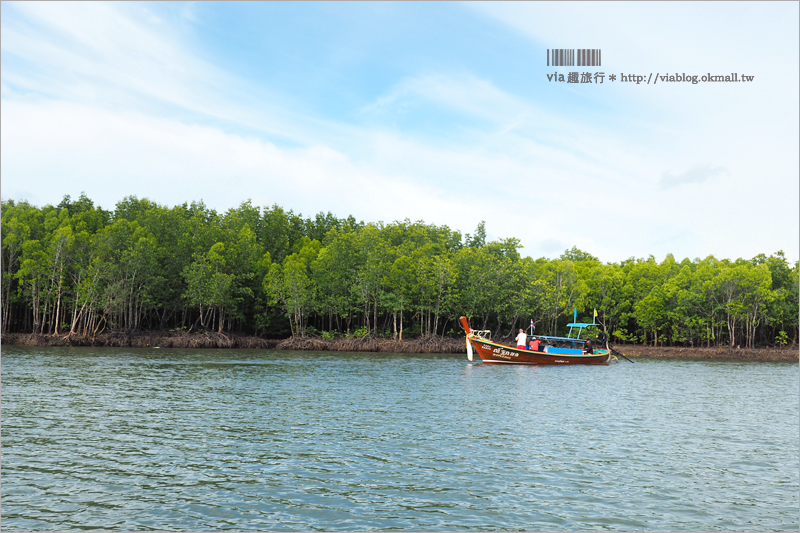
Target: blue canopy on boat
[550, 338]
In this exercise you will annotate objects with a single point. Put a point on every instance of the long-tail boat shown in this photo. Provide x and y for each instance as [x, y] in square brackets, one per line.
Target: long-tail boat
[548, 350]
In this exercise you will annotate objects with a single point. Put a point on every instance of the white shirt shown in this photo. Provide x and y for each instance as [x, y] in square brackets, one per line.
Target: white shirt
[522, 338]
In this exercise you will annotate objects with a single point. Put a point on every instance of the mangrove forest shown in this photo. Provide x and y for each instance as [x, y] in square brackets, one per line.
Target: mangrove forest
[78, 269]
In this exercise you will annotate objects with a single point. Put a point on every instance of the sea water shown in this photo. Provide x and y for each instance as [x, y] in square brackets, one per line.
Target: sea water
[212, 440]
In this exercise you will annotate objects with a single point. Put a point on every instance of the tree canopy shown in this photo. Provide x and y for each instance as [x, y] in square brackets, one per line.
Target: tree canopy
[77, 268]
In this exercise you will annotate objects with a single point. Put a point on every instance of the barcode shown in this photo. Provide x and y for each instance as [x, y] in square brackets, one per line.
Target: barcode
[566, 57]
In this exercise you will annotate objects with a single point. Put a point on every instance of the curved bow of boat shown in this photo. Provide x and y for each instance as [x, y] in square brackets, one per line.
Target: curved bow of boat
[465, 324]
[468, 330]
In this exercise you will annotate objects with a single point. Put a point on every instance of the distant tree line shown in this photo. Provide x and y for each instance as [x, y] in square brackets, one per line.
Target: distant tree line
[77, 268]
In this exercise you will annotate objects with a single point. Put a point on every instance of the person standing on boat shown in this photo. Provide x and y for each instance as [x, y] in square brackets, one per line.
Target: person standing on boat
[522, 340]
[534, 345]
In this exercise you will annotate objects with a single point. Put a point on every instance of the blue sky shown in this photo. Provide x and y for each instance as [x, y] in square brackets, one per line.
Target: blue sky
[440, 112]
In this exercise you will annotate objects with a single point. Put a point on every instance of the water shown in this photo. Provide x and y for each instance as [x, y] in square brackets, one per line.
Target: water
[124, 439]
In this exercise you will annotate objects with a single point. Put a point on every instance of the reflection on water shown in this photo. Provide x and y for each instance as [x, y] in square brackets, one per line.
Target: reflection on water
[247, 440]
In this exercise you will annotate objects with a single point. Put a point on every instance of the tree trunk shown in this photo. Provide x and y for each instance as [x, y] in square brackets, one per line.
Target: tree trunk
[401, 319]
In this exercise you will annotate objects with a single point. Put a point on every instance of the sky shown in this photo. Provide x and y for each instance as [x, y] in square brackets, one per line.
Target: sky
[440, 112]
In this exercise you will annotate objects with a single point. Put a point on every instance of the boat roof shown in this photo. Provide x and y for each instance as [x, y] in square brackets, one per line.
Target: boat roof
[550, 338]
[581, 326]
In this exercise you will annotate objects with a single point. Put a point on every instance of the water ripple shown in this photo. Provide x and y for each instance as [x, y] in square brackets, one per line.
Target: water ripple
[123, 440]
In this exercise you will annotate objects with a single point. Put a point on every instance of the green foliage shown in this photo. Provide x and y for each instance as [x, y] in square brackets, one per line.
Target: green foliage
[272, 272]
[360, 332]
[622, 335]
[479, 238]
[782, 338]
[575, 255]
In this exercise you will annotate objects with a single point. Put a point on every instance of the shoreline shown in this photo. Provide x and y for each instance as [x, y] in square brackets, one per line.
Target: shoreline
[204, 340]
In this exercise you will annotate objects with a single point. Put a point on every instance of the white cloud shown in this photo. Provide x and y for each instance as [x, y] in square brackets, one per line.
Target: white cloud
[69, 147]
[120, 56]
[126, 107]
[465, 93]
[695, 175]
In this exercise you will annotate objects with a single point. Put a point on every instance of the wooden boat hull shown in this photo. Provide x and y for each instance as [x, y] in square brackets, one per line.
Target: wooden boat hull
[491, 353]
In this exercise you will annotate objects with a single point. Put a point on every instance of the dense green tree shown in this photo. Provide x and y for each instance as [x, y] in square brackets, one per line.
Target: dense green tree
[78, 268]
[290, 284]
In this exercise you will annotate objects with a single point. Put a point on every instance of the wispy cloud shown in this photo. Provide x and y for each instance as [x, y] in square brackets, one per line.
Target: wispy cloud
[552, 246]
[119, 99]
[463, 93]
[123, 56]
[699, 174]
